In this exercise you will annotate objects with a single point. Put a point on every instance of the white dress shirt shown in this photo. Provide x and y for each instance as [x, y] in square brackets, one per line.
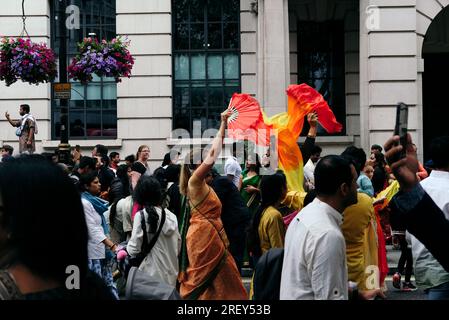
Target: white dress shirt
[428, 271]
[309, 170]
[162, 261]
[95, 246]
[314, 265]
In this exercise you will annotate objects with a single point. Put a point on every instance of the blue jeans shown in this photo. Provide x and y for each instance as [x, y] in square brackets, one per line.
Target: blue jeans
[440, 292]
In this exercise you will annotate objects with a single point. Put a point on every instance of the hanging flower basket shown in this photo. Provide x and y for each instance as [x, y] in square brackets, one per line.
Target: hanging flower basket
[105, 59]
[25, 60]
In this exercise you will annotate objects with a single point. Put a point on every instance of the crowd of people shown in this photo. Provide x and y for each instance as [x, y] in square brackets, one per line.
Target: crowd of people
[194, 229]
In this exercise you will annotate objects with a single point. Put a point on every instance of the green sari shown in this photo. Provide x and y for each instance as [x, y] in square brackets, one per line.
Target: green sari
[252, 200]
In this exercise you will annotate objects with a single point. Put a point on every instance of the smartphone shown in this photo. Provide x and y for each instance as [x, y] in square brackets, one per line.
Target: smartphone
[401, 127]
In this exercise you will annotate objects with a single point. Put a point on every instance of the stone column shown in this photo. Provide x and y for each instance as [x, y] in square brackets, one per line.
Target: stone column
[273, 55]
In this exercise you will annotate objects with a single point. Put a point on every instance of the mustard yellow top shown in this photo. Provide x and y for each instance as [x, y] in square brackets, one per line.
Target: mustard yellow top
[359, 230]
[271, 230]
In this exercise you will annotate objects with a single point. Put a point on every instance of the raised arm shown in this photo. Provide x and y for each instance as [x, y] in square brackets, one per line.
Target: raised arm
[200, 174]
[14, 123]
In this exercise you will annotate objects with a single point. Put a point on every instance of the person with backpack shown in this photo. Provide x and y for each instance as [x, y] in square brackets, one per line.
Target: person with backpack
[155, 236]
[26, 129]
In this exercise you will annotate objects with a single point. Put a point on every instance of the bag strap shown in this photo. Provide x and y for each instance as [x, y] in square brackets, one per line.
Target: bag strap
[146, 247]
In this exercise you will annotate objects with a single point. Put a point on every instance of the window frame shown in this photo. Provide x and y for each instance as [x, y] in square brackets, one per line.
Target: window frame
[341, 113]
[104, 107]
[206, 82]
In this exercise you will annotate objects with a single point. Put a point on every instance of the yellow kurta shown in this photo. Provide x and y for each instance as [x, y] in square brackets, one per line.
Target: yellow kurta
[271, 230]
[359, 230]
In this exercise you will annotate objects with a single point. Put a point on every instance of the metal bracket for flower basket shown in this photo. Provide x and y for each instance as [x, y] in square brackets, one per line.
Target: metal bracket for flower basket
[24, 18]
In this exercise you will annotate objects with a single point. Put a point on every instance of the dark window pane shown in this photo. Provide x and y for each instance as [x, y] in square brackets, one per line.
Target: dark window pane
[77, 128]
[214, 118]
[181, 36]
[93, 104]
[229, 91]
[214, 10]
[181, 10]
[182, 97]
[231, 66]
[109, 123]
[214, 36]
[198, 97]
[93, 119]
[231, 10]
[198, 65]
[215, 96]
[231, 36]
[181, 119]
[197, 36]
[197, 10]
[182, 67]
[215, 66]
[200, 115]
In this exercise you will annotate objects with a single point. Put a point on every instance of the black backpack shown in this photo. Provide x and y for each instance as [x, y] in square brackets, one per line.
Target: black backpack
[267, 275]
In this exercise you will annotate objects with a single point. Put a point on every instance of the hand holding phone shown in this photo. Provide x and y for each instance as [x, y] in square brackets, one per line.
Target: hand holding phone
[401, 129]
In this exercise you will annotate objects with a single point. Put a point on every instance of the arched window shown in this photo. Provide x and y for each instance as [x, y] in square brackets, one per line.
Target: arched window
[92, 109]
[206, 60]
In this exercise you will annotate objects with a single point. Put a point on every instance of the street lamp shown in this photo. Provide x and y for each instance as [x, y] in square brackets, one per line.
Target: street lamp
[64, 146]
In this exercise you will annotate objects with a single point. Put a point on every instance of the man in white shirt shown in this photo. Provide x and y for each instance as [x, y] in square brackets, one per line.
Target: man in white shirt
[429, 273]
[314, 266]
[309, 168]
[232, 168]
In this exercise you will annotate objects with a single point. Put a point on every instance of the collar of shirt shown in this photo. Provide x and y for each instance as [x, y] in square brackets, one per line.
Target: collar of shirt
[439, 174]
[334, 214]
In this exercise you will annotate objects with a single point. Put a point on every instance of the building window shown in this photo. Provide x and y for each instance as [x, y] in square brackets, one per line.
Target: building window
[93, 108]
[321, 64]
[206, 60]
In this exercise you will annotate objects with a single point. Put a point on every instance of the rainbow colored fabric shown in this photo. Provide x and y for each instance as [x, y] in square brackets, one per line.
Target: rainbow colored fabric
[302, 99]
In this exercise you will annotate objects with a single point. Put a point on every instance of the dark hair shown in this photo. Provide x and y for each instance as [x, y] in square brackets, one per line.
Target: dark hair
[131, 158]
[376, 147]
[148, 193]
[8, 149]
[87, 162]
[256, 167]
[173, 172]
[316, 149]
[138, 167]
[86, 179]
[380, 159]
[25, 107]
[113, 154]
[52, 210]
[330, 173]
[357, 156]
[271, 189]
[439, 151]
[102, 150]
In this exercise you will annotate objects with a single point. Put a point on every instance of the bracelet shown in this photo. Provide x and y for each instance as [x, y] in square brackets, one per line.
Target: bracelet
[311, 136]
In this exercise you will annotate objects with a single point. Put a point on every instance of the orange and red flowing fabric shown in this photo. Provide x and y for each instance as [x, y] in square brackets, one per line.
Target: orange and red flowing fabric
[302, 99]
[247, 118]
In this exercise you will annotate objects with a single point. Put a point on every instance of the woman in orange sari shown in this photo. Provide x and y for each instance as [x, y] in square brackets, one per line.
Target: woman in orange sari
[208, 270]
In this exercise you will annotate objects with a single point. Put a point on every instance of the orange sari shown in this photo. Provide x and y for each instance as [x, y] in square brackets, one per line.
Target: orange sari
[206, 249]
